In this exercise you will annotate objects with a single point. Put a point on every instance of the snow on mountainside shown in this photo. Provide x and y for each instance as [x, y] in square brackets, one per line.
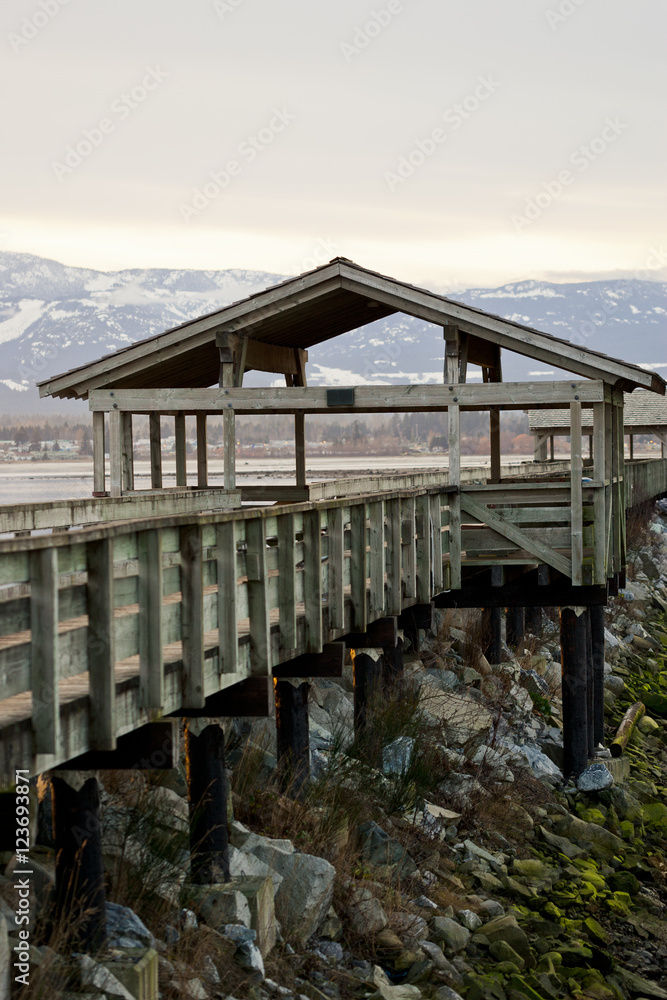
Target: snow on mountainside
[54, 317]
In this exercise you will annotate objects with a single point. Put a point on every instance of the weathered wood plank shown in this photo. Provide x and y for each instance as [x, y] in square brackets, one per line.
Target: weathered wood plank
[192, 616]
[376, 557]
[179, 450]
[423, 526]
[454, 446]
[127, 449]
[44, 679]
[227, 579]
[407, 398]
[312, 580]
[336, 568]
[99, 472]
[358, 566]
[101, 645]
[151, 639]
[516, 535]
[115, 460]
[202, 452]
[155, 437]
[287, 581]
[394, 597]
[258, 603]
[409, 548]
[576, 494]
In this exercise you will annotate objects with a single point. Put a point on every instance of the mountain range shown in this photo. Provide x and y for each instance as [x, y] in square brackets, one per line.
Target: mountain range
[54, 317]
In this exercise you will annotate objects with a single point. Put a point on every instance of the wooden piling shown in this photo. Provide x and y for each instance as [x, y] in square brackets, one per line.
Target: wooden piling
[491, 634]
[533, 620]
[589, 687]
[597, 643]
[575, 690]
[292, 736]
[77, 833]
[207, 799]
[516, 627]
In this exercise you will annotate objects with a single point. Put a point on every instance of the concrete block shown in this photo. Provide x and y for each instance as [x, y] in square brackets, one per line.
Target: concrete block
[137, 972]
[260, 897]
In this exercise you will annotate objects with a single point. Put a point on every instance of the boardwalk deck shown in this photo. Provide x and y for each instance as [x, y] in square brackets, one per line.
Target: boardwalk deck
[109, 627]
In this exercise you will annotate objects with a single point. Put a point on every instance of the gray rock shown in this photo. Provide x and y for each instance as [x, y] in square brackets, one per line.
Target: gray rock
[538, 762]
[469, 919]
[125, 929]
[219, 906]
[100, 978]
[366, 913]
[444, 993]
[614, 684]
[437, 956]
[381, 850]
[595, 778]
[397, 757]
[305, 892]
[408, 926]
[492, 908]
[453, 935]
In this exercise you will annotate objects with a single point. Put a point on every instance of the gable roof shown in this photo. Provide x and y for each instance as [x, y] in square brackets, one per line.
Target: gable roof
[642, 410]
[323, 303]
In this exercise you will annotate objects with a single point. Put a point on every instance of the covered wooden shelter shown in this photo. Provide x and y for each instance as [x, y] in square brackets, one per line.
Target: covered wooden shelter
[198, 368]
[643, 413]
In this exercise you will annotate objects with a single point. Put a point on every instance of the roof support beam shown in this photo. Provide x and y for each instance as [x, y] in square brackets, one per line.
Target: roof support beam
[363, 398]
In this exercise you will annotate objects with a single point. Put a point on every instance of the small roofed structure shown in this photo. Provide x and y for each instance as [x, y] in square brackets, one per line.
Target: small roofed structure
[562, 525]
[643, 413]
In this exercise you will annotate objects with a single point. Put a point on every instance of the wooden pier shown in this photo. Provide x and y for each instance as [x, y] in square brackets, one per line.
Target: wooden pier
[125, 612]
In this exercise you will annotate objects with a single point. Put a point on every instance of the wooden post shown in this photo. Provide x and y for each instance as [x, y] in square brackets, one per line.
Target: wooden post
[44, 679]
[227, 576]
[151, 638]
[551, 447]
[589, 687]
[115, 461]
[192, 616]
[358, 567]
[227, 376]
[258, 598]
[202, 452]
[540, 447]
[367, 665]
[575, 690]
[99, 476]
[533, 620]
[127, 448]
[599, 512]
[156, 450]
[312, 579]
[207, 799]
[597, 648]
[336, 565]
[287, 579]
[590, 447]
[79, 871]
[491, 634]
[292, 736]
[454, 446]
[494, 440]
[515, 627]
[179, 449]
[300, 447]
[576, 503]
[632, 446]
[101, 644]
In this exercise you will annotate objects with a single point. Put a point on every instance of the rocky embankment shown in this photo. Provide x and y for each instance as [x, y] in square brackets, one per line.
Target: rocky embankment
[461, 865]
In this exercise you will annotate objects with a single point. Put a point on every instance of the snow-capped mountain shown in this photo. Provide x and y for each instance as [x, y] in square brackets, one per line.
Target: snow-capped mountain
[54, 317]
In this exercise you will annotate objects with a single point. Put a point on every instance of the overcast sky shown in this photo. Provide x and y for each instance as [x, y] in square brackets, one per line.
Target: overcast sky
[446, 142]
